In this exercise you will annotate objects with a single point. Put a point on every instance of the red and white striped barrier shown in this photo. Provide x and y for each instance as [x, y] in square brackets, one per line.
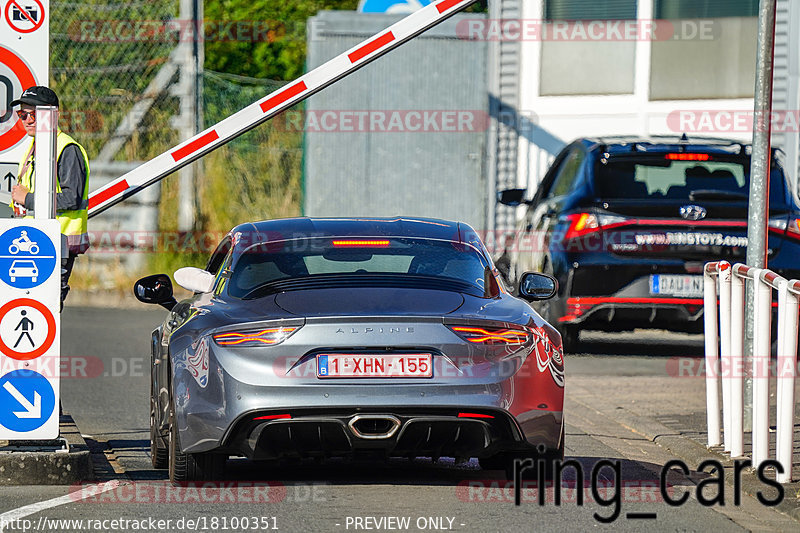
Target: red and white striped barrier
[731, 366]
[276, 102]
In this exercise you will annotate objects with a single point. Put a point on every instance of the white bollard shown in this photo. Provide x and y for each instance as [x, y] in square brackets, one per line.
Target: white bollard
[712, 353]
[762, 317]
[737, 365]
[787, 357]
[724, 269]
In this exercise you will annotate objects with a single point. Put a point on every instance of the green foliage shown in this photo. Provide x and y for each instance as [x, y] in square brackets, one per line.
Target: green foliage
[278, 55]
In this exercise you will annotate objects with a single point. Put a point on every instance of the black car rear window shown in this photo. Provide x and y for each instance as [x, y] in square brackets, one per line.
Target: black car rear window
[303, 258]
[657, 176]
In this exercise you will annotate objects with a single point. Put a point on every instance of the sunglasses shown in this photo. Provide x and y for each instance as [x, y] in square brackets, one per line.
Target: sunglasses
[25, 114]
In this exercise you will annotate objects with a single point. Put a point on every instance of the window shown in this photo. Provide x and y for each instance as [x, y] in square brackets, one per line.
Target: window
[722, 178]
[572, 63]
[712, 52]
[589, 10]
[320, 256]
[689, 9]
[565, 180]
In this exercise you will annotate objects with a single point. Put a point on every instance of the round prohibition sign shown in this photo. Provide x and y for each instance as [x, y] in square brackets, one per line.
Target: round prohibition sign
[26, 17]
[51, 329]
[22, 78]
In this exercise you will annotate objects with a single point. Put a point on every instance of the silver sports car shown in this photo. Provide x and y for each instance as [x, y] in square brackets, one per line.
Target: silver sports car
[375, 337]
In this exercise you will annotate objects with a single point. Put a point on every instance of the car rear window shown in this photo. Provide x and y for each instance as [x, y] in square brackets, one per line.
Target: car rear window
[264, 263]
[655, 177]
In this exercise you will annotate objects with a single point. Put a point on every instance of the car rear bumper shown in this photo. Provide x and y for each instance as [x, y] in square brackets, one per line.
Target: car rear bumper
[514, 405]
[397, 431]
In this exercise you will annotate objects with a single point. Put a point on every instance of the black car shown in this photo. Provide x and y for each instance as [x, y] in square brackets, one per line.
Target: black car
[626, 224]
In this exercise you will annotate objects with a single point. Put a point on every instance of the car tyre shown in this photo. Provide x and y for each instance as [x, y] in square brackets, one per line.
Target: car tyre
[505, 461]
[570, 338]
[159, 451]
[191, 466]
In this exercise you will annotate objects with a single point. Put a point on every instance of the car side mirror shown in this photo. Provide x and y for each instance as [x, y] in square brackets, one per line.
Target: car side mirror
[512, 197]
[194, 279]
[155, 289]
[537, 286]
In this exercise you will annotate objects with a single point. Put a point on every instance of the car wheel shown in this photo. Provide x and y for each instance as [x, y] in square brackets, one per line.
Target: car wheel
[505, 461]
[191, 466]
[159, 452]
[570, 338]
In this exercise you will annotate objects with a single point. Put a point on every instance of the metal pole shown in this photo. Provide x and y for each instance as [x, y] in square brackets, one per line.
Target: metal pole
[759, 180]
[44, 189]
[187, 119]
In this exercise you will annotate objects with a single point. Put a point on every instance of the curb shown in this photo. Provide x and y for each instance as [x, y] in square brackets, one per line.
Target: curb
[60, 462]
[693, 453]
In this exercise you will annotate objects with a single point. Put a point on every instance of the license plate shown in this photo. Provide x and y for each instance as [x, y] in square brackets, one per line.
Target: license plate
[347, 365]
[676, 285]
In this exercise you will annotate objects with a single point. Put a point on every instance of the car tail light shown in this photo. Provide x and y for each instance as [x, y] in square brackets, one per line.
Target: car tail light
[792, 228]
[256, 337]
[474, 415]
[491, 336]
[687, 157]
[581, 224]
[361, 243]
[274, 417]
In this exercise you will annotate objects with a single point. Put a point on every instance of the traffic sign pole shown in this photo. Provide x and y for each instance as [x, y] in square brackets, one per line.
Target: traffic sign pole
[268, 107]
[44, 191]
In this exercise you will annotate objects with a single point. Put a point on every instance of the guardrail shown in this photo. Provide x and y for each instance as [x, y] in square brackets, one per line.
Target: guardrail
[725, 361]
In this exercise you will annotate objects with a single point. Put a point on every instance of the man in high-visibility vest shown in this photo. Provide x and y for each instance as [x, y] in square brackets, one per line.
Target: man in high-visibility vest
[72, 173]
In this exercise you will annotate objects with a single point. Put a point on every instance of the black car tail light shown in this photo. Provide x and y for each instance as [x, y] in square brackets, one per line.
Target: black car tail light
[255, 337]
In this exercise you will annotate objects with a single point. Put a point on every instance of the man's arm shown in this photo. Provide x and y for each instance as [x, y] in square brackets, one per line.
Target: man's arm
[71, 172]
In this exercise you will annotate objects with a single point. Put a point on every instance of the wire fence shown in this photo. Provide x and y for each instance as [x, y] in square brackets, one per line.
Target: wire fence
[103, 56]
[108, 57]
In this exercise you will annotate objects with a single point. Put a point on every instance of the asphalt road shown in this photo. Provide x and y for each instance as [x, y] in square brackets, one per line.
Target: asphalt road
[107, 396]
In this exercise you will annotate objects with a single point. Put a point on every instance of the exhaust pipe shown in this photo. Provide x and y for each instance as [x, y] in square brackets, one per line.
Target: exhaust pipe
[374, 426]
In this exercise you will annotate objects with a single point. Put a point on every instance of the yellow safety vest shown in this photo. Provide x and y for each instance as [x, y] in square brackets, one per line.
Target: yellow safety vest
[74, 223]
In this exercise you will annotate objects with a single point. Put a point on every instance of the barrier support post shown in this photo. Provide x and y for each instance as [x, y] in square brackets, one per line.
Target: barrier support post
[736, 369]
[762, 315]
[787, 356]
[712, 354]
[724, 270]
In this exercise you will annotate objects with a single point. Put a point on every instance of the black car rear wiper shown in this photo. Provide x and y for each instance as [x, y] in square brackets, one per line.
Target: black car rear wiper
[714, 194]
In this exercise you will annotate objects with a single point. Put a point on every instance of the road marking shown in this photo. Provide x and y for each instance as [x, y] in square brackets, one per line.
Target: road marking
[75, 496]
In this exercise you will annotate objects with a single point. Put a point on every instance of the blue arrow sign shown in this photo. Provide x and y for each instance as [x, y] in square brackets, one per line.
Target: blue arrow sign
[27, 400]
[27, 257]
[392, 6]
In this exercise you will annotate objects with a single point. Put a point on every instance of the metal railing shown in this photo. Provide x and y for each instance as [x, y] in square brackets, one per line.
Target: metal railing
[725, 362]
